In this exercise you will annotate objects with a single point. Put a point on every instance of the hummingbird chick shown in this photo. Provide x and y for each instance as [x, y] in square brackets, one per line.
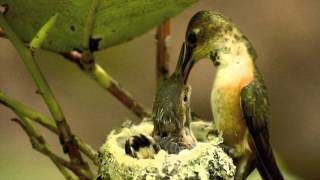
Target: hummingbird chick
[171, 118]
[141, 147]
[239, 98]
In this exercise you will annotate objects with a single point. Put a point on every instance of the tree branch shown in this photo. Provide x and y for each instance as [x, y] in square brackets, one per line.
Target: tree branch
[24, 111]
[66, 137]
[39, 144]
[162, 65]
[87, 63]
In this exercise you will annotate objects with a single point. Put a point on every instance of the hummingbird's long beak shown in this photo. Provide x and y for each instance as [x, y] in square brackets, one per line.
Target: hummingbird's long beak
[188, 63]
[179, 66]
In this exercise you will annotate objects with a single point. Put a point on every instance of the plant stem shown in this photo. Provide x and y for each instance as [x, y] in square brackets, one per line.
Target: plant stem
[34, 70]
[87, 150]
[100, 75]
[24, 111]
[89, 25]
[162, 65]
[26, 55]
[87, 63]
[95, 71]
[38, 143]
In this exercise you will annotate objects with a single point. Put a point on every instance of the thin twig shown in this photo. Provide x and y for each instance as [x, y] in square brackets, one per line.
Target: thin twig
[162, 65]
[87, 63]
[24, 111]
[66, 136]
[39, 144]
[87, 150]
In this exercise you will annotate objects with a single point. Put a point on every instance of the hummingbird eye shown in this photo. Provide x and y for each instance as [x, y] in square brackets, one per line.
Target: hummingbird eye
[186, 94]
[185, 98]
[192, 39]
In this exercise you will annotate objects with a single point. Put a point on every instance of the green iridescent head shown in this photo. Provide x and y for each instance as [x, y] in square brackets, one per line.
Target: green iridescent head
[209, 34]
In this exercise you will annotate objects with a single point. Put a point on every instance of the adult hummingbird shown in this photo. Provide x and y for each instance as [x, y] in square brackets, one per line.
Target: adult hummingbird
[239, 99]
[171, 117]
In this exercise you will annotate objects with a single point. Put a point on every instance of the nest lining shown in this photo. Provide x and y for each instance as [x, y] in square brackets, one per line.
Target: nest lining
[206, 161]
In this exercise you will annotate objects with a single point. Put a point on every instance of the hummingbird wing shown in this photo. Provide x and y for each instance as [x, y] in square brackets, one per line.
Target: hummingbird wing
[255, 106]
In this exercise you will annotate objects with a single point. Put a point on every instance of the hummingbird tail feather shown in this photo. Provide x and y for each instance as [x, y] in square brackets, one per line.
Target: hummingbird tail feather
[263, 172]
[267, 165]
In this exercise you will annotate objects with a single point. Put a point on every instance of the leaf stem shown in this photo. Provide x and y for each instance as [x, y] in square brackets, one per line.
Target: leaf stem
[89, 25]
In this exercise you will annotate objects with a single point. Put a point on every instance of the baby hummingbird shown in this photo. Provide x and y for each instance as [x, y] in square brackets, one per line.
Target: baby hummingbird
[171, 117]
[172, 113]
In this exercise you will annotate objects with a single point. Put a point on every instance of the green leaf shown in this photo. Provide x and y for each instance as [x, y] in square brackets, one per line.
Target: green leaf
[105, 22]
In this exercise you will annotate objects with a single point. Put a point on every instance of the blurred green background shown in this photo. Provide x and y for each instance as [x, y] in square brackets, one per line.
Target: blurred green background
[285, 34]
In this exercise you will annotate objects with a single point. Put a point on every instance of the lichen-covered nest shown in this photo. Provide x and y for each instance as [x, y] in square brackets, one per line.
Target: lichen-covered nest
[206, 161]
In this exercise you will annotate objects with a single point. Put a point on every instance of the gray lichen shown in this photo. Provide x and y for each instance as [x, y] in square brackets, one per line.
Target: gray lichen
[206, 161]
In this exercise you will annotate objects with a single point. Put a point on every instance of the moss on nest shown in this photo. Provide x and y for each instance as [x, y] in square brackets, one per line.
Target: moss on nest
[206, 161]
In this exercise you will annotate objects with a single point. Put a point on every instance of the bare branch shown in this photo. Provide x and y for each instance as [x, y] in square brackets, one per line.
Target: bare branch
[162, 65]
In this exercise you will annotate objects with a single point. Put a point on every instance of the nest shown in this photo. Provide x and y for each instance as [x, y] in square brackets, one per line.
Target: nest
[206, 161]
